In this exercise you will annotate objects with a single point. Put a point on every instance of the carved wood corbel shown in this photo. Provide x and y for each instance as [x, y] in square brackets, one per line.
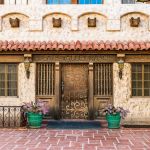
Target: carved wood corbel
[57, 22]
[91, 22]
[15, 23]
[134, 22]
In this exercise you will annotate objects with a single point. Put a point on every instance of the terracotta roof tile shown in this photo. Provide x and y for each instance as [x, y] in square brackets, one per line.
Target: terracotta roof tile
[95, 45]
[78, 45]
[74, 45]
[101, 45]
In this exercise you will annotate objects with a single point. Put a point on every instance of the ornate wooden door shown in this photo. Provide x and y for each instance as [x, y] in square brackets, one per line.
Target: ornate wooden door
[74, 103]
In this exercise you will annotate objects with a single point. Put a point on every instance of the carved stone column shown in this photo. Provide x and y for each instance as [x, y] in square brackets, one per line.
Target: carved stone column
[90, 92]
[57, 91]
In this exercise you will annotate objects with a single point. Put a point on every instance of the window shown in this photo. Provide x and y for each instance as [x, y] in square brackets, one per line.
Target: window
[45, 79]
[59, 1]
[74, 1]
[141, 80]
[8, 79]
[90, 1]
[103, 79]
[128, 1]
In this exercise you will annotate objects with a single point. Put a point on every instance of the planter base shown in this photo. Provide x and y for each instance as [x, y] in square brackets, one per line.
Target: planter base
[113, 121]
[34, 120]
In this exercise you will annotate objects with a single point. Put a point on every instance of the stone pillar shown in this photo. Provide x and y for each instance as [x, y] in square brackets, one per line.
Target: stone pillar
[90, 92]
[122, 87]
[26, 87]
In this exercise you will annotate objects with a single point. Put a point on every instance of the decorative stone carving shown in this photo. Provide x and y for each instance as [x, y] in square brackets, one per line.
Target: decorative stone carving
[15, 23]
[75, 58]
[91, 22]
[134, 22]
[57, 22]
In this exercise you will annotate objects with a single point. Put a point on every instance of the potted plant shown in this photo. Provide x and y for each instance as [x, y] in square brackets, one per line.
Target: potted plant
[34, 112]
[114, 115]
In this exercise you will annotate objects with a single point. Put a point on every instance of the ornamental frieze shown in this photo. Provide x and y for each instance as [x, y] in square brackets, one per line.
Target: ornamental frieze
[74, 58]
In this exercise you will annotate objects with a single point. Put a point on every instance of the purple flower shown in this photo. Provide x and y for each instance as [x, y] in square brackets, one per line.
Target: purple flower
[36, 107]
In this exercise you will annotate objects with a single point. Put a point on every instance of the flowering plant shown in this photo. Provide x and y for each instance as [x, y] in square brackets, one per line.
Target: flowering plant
[35, 107]
[112, 110]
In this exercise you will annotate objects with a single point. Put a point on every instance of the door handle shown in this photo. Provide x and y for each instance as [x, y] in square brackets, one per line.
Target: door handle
[62, 87]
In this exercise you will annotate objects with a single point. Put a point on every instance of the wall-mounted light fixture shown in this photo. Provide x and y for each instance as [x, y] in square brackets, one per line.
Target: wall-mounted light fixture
[27, 61]
[120, 64]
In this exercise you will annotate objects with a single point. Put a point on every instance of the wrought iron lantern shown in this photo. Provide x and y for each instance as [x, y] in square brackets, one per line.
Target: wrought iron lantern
[27, 61]
[120, 66]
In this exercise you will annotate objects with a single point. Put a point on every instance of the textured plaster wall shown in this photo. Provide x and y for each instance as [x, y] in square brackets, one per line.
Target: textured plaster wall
[139, 107]
[112, 22]
[26, 88]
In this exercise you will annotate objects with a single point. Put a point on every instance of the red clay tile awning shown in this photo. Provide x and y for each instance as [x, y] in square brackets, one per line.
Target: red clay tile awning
[74, 45]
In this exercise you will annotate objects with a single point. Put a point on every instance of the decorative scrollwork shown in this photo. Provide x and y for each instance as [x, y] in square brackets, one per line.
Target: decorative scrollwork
[10, 116]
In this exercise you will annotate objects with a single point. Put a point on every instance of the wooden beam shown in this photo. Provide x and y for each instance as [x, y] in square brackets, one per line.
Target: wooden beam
[11, 58]
[90, 92]
[57, 91]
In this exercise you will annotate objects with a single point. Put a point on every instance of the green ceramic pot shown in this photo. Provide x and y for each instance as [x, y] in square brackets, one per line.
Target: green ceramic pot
[34, 120]
[113, 120]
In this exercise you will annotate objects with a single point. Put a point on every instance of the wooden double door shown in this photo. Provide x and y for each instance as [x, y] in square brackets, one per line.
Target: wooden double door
[74, 89]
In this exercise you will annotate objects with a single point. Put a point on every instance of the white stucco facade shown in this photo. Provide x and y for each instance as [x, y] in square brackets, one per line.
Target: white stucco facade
[112, 24]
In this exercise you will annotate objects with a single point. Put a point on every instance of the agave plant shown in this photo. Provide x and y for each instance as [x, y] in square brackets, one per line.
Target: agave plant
[112, 110]
[35, 107]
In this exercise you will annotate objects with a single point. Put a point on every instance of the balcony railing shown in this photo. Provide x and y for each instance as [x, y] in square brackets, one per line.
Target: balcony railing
[11, 116]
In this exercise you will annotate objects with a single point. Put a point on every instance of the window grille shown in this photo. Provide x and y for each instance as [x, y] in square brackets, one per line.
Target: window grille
[8, 79]
[45, 79]
[103, 79]
[140, 79]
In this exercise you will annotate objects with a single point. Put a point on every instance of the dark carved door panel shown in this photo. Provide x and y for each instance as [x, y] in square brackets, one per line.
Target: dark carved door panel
[74, 103]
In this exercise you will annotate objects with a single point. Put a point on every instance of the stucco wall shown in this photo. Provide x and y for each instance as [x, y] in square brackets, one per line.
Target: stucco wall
[112, 22]
[139, 107]
[26, 88]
